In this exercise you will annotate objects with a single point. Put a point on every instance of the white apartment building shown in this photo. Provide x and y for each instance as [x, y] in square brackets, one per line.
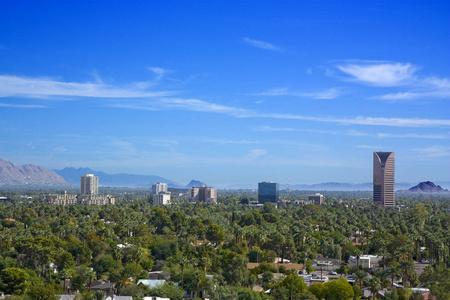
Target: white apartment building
[161, 199]
[159, 188]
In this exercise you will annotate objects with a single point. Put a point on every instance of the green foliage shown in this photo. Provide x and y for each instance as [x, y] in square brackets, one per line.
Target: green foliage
[14, 281]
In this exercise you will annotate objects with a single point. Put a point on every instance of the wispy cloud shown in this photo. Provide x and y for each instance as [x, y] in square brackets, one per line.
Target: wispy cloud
[22, 105]
[159, 72]
[412, 135]
[395, 74]
[183, 104]
[379, 73]
[203, 106]
[15, 86]
[261, 44]
[331, 93]
[427, 88]
[434, 151]
[269, 129]
[254, 154]
[393, 122]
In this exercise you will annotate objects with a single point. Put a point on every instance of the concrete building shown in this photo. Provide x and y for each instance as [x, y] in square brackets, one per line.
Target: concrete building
[268, 192]
[159, 188]
[203, 194]
[383, 178]
[366, 261]
[161, 198]
[70, 199]
[316, 199]
[89, 185]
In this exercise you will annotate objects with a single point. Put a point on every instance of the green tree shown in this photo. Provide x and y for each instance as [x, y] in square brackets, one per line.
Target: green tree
[215, 234]
[437, 279]
[14, 281]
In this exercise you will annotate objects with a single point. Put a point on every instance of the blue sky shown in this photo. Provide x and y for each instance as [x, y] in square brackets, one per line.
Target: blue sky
[227, 92]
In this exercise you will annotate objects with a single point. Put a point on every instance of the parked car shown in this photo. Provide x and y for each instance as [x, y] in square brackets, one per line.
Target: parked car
[332, 273]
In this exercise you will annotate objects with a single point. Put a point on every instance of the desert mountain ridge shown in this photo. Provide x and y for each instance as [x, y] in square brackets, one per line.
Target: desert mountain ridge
[28, 175]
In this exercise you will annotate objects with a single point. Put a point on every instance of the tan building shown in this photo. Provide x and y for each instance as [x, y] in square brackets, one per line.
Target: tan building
[71, 199]
[203, 194]
[89, 185]
[383, 179]
[316, 199]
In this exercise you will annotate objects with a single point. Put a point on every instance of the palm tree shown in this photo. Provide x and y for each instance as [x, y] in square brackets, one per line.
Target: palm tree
[138, 254]
[117, 254]
[407, 268]
[362, 275]
[90, 274]
[375, 286]
[66, 274]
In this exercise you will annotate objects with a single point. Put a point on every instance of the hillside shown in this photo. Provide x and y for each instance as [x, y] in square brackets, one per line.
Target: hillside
[72, 175]
[28, 175]
[427, 187]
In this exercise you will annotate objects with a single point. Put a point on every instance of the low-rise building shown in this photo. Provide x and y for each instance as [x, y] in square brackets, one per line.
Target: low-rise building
[72, 199]
[366, 261]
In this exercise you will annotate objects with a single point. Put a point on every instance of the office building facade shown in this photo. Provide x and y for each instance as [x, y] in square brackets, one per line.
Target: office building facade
[268, 192]
[89, 185]
[316, 199]
[203, 194]
[383, 178]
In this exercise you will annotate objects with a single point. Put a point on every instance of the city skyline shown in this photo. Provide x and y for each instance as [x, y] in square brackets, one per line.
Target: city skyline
[292, 92]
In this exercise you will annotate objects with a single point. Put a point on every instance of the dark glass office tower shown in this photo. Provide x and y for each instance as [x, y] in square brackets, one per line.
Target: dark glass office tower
[383, 178]
[268, 192]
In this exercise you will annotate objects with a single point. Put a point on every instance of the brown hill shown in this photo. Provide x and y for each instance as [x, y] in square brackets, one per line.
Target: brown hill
[427, 187]
[28, 175]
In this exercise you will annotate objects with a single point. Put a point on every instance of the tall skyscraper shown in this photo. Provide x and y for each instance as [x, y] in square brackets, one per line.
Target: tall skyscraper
[89, 185]
[268, 192]
[159, 188]
[383, 178]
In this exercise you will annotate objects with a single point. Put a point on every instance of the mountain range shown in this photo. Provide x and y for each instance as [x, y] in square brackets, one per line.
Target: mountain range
[72, 175]
[32, 175]
[28, 175]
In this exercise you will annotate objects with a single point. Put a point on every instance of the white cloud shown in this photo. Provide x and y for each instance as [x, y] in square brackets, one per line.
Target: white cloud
[269, 128]
[427, 88]
[434, 151]
[159, 72]
[380, 74]
[261, 44]
[412, 135]
[331, 93]
[15, 86]
[183, 104]
[255, 154]
[394, 122]
[22, 105]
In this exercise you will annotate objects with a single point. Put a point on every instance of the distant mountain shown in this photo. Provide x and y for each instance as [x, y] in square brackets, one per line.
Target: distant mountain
[426, 187]
[72, 175]
[326, 186]
[28, 175]
[195, 183]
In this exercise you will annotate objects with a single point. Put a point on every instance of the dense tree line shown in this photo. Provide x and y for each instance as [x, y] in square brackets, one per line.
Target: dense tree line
[44, 247]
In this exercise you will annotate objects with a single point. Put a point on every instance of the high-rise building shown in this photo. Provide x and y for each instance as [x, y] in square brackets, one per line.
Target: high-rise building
[383, 178]
[89, 185]
[203, 194]
[268, 192]
[161, 198]
[159, 188]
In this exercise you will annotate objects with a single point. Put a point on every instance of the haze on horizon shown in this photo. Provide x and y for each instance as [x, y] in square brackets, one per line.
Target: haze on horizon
[227, 92]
